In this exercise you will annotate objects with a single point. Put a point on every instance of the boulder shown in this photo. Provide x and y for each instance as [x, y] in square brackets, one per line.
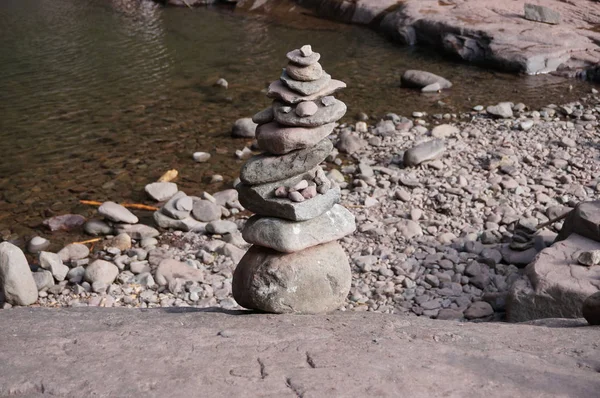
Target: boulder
[16, 280]
[584, 220]
[315, 280]
[421, 79]
[555, 285]
[288, 236]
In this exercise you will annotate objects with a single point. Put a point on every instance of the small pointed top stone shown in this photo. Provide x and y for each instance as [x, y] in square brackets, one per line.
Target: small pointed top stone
[306, 50]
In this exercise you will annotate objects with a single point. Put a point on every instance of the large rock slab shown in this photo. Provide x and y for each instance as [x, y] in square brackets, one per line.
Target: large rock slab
[584, 220]
[289, 236]
[280, 91]
[555, 285]
[261, 199]
[306, 87]
[265, 168]
[279, 140]
[246, 354]
[325, 114]
[311, 281]
[16, 280]
[539, 13]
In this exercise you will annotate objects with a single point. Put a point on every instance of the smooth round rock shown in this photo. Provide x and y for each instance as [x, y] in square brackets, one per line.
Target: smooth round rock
[311, 281]
[201, 157]
[305, 73]
[37, 244]
[101, 270]
[97, 227]
[206, 211]
[591, 309]
[306, 108]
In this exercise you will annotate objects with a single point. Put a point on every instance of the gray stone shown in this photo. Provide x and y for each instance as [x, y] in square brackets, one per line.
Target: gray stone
[264, 116]
[136, 231]
[432, 88]
[138, 267]
[43, 280]
[53, 263]
[589, 258]
[201, 157]
[97, 227]
[554, 284]
[117, 213]
[161, 191]
[232, 251]
[169, 270]
[279, 140]
[420, 79]
[479, 309]
[174, 210]
[244, 128]
[73, 251]
[264, 168]
[278, 90]
[519, 258]
[76, 275]
[16, 280]
[591, 309]
[306, 87]
[502, 110]
[584, 220]
[538, 13]
[37, 244]
[424, 151]
[187, 224]
[444, 131]
[323, 115]
[350, 142]
[408, 228]
[288, 236]
[261, 199]
[314, 280]
[101, 270]
[297, 57]
[206, 211]
[305, 73]
[221, 227]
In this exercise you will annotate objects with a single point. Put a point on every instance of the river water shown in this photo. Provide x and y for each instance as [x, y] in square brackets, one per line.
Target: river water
[99, 97]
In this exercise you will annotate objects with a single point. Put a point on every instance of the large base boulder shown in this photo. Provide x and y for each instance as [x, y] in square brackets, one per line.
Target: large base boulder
[555, 285]
[583, 220]
[315, 280]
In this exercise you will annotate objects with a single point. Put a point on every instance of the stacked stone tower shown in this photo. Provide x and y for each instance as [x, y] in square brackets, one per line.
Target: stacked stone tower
[295, 263]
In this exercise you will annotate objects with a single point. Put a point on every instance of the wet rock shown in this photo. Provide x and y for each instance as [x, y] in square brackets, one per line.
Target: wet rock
[161, 191]
[65, 222]
[37, 244]
[502, 110]
[222, 83]
[117, 213]
[16, 280]
[287, 236]
[97, 227]
[421, 79]
[315, 280]
[539, 13]
[102, 271]
[425, 151]
[244, 128]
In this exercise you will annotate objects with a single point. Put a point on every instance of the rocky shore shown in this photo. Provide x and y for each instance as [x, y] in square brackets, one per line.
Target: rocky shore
[446, 208]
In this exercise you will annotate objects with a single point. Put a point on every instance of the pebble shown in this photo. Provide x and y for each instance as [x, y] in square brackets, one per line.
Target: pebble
[37, 244]
[201, 157]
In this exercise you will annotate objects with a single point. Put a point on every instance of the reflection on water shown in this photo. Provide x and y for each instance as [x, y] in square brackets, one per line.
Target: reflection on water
[99, 98]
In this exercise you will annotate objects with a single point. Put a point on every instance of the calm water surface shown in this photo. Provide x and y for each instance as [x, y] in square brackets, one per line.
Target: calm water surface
[99, 98]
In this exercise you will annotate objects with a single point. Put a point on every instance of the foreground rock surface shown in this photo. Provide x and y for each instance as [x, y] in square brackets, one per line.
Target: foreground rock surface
[288, 355]
[315, 280]
[16, 280]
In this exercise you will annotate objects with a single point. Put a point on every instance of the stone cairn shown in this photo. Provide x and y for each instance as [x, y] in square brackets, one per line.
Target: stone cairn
[295, 263]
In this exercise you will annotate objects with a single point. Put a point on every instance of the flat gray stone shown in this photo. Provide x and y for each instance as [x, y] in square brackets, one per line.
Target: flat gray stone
[161, 191]
[420, 79]
[278, 139]
[16, 280]
[74, 251]
[306, 87]
[117, 213]
[538, 13]
[174, 210]
[298, 58]
[305, 73]
[206, 211]
[261, 199]
[221, 227]
[290, 236]
[279, 91]
[187, 224]
[311, 281]
[261, 169]
[323, 115]
[424, 151]
[264, 116]
[555, 285]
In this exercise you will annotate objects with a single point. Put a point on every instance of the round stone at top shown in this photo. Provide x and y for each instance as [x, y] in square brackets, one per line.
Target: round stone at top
[297, 57]
[306, 108]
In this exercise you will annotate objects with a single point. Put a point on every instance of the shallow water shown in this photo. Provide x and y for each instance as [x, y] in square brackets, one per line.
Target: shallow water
[99, 98]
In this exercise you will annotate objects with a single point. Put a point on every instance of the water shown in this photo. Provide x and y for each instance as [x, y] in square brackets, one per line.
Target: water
[100, 97]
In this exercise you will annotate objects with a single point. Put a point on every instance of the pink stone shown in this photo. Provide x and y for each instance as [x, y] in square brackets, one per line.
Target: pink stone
[306, 108]
[309, 192]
